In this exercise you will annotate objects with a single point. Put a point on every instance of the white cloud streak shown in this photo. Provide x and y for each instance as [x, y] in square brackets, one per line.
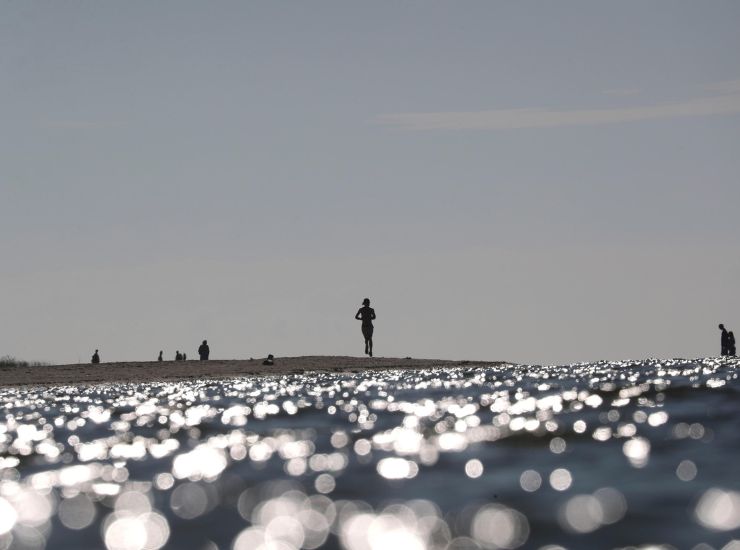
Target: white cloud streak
[622, 91]
[508, 119]
[726, 87]
[81, 125]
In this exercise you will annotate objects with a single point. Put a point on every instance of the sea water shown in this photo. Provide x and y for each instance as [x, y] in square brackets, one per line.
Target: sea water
[599, 455]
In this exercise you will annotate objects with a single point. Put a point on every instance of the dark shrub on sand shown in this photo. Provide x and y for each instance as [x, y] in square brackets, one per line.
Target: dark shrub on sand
[8, 361]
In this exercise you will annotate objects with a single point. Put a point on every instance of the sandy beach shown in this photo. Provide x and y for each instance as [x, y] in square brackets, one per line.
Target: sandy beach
[149, 371]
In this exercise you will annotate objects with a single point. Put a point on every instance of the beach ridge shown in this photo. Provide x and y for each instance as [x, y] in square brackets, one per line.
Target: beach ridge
[155, 371]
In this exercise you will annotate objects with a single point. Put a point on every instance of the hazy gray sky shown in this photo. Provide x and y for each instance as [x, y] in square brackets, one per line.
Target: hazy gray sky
[531, 181]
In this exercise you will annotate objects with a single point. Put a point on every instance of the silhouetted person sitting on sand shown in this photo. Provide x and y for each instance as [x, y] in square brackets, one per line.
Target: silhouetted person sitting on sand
[178, 355]
[160, 358]
[366, 314]
[204, 351]
[725, 340]
[269, 361]
[95, 358]
[731, 344]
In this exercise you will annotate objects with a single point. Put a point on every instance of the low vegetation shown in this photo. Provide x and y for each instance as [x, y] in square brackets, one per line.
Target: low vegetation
[8, 361]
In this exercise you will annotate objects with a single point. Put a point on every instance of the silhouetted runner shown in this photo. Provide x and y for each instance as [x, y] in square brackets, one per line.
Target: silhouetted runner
[204, 351]
[366, 314]
[95, 358]
[160, 358]
[731, 344]
[724, 340]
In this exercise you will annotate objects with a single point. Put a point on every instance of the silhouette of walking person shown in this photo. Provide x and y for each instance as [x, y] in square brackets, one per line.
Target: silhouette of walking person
[95, 358]
[731, 344]
[724, 340]
[366, 314]
[160, 358]
[204, 351]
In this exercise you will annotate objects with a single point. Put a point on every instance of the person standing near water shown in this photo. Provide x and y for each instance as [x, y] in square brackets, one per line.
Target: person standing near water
[366, 314]
[95, 358]
[204, 351]
[724, 340]
[160, 358]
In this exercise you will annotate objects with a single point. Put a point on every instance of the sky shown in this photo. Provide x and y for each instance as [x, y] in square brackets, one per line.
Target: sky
[539, 182]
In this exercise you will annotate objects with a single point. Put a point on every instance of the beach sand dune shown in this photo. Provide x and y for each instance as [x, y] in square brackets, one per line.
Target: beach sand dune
[150, 371]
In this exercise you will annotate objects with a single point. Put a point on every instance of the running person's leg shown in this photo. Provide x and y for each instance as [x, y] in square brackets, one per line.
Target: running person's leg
[367, 332]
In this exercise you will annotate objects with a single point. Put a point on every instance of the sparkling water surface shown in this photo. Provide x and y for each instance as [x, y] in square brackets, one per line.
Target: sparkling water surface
[600, 455]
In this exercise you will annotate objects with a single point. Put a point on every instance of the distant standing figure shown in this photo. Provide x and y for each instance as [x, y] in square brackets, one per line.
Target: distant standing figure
[184, 356]
[204, 351]
[367, 314]
[269, 361]
[731, 347]
[160, 358]
[95, 358]
[724, 340]
[178, 355]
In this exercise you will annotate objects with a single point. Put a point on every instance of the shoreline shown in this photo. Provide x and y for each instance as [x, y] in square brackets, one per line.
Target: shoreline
[163, 371]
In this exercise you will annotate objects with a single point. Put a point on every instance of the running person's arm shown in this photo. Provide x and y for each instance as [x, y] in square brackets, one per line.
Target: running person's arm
[372, 314]
[357, 315]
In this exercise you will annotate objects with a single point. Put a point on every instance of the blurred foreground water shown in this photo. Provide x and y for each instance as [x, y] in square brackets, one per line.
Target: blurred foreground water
[603, 455]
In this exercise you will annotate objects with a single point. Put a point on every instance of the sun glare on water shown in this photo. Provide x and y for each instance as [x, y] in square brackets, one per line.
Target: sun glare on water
[487, 458]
